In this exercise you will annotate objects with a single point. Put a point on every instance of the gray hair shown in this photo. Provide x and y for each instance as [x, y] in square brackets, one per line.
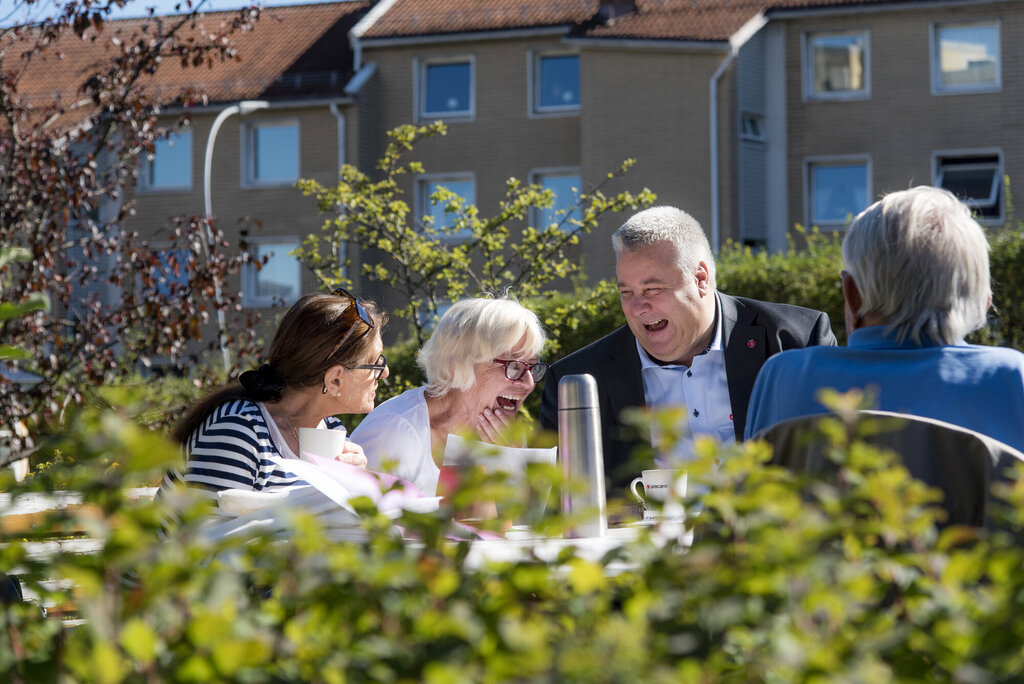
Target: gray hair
[669, 224]
[475, 331]
[920, 262]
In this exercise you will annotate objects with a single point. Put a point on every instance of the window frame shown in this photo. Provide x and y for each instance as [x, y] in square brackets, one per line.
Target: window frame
[250, 276]
[938, 88]
[752, 127]
[248, 131]
[421, 66]
[422, 198]
[534, 83]
[810, 163]
[536, 177]
[807, 65]
[145, 184]
[160, 249]
[996, 196]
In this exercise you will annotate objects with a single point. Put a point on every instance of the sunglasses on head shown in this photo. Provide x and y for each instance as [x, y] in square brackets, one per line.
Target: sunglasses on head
[364, 317]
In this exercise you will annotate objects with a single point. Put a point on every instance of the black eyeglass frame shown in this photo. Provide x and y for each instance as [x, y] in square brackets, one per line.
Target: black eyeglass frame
[364, 317]
[536, 370]
[379, 367]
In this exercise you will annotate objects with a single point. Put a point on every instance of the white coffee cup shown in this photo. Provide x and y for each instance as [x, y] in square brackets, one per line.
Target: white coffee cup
[321, 442]
[658, 485]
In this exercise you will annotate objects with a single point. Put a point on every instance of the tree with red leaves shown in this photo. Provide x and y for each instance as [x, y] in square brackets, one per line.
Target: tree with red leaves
[67, 157]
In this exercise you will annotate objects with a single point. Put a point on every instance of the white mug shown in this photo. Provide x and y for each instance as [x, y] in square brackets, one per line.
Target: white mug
[658, 485]
[321, 442]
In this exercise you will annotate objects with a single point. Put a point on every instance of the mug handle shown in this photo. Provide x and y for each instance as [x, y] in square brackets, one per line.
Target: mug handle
[632, 489]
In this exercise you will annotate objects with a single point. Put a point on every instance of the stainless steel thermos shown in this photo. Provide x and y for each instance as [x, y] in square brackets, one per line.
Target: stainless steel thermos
[581, 455]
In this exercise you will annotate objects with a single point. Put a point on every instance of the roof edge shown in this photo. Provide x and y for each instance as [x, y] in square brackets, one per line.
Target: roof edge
[370, 18]
[899, 5]
[661, 44]
[465, 37]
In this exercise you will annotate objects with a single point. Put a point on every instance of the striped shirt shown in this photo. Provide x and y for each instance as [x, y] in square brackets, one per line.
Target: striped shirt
[235, 448]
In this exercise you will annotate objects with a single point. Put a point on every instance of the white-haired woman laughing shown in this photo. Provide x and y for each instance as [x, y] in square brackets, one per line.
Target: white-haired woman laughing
[481, 363]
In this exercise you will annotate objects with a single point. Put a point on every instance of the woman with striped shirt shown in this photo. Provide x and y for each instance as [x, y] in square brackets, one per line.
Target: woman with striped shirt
[325, 359]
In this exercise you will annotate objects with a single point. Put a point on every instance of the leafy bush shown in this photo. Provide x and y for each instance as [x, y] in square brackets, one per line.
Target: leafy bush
[789, 580]
[806, 276]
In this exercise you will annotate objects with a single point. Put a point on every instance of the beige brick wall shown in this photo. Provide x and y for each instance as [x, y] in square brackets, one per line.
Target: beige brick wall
[902, 123]
[264, 212]
[649, 105]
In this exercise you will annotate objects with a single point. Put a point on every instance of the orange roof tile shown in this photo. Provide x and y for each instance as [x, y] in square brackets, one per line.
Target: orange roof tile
[296, 52]
[680, 20]
[428, 17]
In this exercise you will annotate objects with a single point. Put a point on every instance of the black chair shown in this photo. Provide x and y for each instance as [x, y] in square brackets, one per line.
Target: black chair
[961, 463]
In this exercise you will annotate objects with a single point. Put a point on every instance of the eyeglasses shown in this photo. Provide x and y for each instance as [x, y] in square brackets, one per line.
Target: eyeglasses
[364, 317]
[514, 369]
[378, 367]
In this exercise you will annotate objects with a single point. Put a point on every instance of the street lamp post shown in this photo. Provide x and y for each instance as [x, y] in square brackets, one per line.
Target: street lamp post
[244, 107]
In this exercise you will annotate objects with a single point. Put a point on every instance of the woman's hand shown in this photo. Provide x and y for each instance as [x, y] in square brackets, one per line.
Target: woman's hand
[352, 454]
[491, 423]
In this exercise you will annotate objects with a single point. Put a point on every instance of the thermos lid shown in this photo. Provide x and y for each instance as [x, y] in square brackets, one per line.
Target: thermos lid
[577, 392]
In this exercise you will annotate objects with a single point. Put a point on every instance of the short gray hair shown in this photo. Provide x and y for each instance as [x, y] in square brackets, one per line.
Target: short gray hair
[471, 332]
[669, 224]
[920, 262]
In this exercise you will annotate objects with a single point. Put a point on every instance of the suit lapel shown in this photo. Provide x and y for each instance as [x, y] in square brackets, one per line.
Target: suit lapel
[625, 385]
[746, 350]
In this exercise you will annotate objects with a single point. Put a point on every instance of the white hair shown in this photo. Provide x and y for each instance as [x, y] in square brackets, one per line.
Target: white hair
[920, 262]
[669, 224]
[475, 331]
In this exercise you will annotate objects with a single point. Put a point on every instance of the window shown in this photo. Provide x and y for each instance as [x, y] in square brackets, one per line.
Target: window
[836, 66]
[565, 186]
[837, 190]
[434, 206]
[170, 166]
[279, 280]
[446, 89]
[556, 83]
[170, 272]
[271, 150]
[976, 179]
[965, 58]
[752, 127]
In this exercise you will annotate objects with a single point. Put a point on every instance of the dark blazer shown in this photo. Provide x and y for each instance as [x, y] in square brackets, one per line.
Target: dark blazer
[753, 331]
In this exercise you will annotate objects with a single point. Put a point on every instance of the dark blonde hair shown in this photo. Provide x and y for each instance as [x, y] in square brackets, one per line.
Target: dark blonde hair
[300, 354]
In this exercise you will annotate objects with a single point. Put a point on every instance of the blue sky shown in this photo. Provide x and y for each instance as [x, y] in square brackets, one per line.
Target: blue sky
[18, 11]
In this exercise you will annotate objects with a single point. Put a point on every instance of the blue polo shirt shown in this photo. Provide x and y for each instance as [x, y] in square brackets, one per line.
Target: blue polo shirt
[973, 386]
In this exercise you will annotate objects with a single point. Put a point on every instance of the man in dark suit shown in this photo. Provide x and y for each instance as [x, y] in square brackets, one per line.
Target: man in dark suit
[684, 344]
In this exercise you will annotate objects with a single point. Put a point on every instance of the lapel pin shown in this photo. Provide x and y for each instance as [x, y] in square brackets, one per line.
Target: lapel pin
[751, 343]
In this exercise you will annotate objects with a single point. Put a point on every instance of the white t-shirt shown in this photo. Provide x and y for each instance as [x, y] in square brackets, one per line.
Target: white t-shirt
[395, 437]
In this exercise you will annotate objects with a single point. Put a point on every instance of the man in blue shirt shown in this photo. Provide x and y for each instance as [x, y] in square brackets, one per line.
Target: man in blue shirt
[916, 283]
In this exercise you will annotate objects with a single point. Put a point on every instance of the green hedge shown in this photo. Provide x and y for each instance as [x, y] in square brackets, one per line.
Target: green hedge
[788, 581]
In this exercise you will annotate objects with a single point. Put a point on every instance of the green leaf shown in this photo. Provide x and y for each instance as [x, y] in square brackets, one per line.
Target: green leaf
[139, 640]
[35, 302]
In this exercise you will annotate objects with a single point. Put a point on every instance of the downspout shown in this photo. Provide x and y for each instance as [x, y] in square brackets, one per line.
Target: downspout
[736, 41]
[343, 246]
[361, 27]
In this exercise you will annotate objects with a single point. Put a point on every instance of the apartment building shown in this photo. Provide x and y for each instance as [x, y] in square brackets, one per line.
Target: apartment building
[753, 115]
[282, 113]
[882, 96]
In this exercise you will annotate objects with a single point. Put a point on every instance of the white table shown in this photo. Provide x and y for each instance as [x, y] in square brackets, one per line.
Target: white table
[592, 549]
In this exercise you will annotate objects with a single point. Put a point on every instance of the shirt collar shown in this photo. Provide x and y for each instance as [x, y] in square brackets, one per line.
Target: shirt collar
[879, 337]
[646, 361]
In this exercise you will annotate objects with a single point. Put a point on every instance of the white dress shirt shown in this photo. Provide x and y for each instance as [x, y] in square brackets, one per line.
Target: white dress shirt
[702, 390]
